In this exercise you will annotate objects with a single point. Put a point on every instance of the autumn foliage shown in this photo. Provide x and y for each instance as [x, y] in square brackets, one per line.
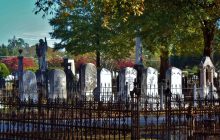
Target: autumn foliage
[55, 62]
[120, 64]
[83, 60]
[12, 63]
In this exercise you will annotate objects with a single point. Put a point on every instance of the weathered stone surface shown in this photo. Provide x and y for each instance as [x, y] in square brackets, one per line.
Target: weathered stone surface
[207, 73]
[29, 86]
[57, 84]
[88, 80]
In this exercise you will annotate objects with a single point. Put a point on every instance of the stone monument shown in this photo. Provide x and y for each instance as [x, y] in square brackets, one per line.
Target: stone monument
[88, 80]
[127, 78]
[149, 90]
[57, 84]
[105, 85]
[174, 81]
[207, 72]
[29, 86]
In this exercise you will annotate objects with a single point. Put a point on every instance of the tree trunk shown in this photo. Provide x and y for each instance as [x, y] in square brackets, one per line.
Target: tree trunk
[164, 65]
[208, 34]
[98, 65]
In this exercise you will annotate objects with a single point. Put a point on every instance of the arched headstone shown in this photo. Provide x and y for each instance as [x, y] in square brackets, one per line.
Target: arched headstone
[57, 84]
[29, 86]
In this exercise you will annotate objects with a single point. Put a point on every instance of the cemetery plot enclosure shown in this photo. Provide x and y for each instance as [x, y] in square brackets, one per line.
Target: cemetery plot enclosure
[77, 118]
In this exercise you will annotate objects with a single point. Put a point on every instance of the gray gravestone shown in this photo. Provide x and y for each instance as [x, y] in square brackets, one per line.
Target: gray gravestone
[105, 85]
[57, 84]
[88, 80]
[174, 78]
[127, 77]
[149, 84]
[29, 86]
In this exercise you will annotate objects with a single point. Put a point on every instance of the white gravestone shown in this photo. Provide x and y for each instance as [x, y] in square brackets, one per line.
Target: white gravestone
[29, 86]
[105, 85]
[174, 78]
[88, 80]
[207, 73]
[127, 77]
[57, 84]
[71, 61]
[149, 84]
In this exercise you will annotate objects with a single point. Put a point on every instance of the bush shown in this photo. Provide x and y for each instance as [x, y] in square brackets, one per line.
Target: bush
[3, 70]
[124, 63]
[55, 62]
[12, 63]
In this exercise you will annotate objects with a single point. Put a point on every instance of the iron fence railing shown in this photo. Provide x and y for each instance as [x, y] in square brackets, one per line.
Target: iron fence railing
[79, 118]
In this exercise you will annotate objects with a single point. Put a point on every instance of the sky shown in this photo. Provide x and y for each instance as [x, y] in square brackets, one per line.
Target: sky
[17, 19]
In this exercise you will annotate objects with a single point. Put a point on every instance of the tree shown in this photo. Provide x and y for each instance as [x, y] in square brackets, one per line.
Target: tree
[4, 50]
[175, 26]
[81, 31]
[15, 44]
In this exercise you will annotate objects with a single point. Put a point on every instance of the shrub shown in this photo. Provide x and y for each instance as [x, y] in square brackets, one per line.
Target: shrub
[12, 63]
[55, 62]
[124, 63]
[3, 70]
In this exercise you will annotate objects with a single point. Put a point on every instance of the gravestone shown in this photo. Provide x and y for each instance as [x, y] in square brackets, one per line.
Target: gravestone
[127, 77]
[207, 72]
[57, 84]
[149, 84]
[29, 86]
[88, 80]
[105, 85]
[69, 69]
[72, 67]
[174, 80]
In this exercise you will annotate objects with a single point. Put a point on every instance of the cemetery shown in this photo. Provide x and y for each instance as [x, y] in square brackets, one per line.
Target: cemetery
[93, 106]
[110, 70]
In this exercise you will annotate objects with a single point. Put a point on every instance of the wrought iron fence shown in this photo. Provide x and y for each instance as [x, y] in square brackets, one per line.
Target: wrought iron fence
[79, 118]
